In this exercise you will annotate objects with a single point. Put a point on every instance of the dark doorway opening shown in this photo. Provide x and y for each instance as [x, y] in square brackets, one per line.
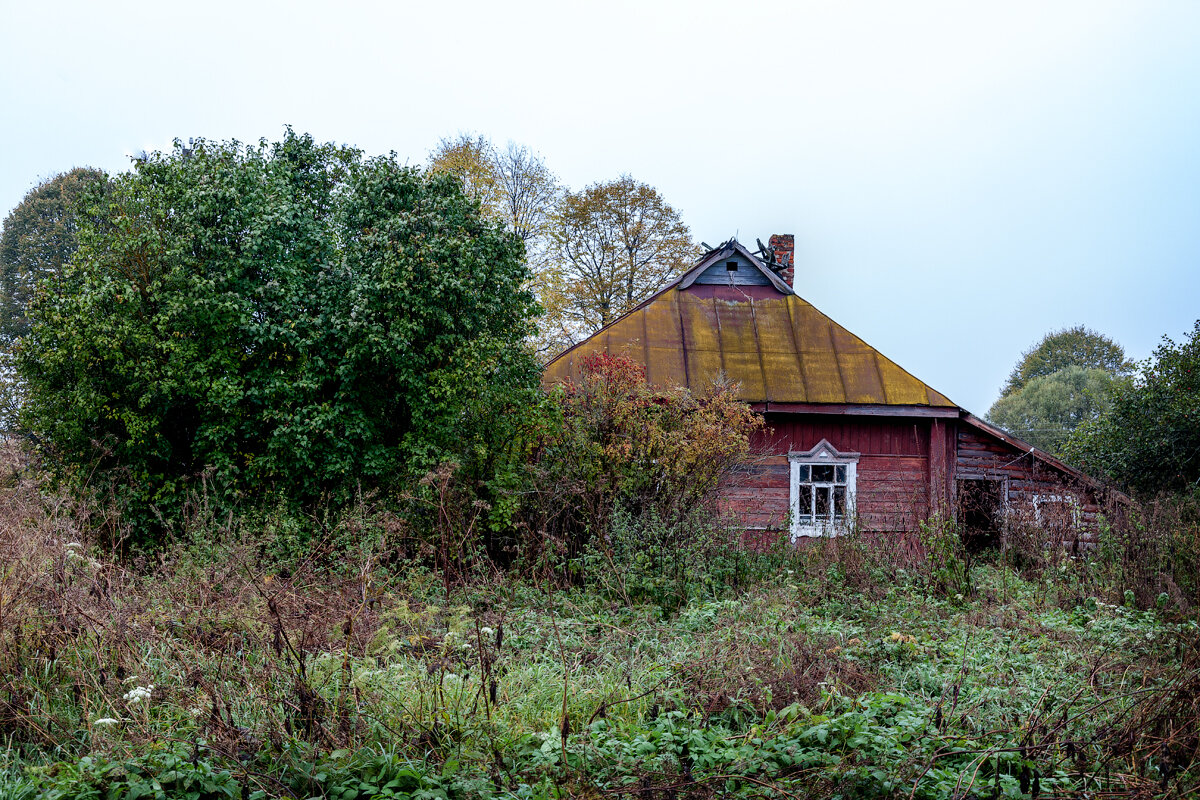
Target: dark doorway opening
[980, 512]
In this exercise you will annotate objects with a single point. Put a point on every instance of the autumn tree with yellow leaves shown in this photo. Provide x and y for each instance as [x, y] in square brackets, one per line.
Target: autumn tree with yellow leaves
[617, 243]
[594, 254]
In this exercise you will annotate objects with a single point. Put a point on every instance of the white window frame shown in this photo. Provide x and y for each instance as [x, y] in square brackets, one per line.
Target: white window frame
[1066, 499]
[821, 455]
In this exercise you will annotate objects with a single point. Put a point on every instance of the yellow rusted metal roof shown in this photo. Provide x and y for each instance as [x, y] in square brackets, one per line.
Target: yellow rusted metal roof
[778, 347]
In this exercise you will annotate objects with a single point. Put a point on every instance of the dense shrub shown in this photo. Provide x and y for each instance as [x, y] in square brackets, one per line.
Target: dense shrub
[286, 319]
[628, 463]
[1149, 441]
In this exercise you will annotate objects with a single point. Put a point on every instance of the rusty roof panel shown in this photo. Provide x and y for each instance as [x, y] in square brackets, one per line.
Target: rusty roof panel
[739, 347]
[748, 371]
[903, 389]
[812, 328]
[844, 341]
[703, 368]
[784, 378]
[775, 333]
[860, 377]
[701, 329]
[822, 377]
[778, 347]
[666, 367]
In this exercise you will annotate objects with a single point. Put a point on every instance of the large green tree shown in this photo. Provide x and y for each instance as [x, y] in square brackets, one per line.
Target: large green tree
[1149, 440]
[1060, 382]
[1049, 407]
[37, 239]
[285, 318]
[1079, 346]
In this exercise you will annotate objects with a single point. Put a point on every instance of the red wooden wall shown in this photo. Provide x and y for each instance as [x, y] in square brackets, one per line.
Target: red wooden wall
[907, 467]
[893, 470]
[984, 457]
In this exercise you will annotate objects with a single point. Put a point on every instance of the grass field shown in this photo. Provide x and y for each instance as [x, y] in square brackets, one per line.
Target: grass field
[836, 671]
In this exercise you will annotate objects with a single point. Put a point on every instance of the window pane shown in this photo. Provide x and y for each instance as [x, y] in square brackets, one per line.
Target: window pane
[839, 501]
[822, 472]
[804, 473]
[841, 475]
[822, 502]
[805, 499]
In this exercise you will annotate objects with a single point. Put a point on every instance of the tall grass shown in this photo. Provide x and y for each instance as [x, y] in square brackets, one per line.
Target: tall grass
[687, 668]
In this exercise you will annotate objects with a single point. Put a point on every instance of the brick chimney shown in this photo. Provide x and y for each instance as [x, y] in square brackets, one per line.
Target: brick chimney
[784, 245]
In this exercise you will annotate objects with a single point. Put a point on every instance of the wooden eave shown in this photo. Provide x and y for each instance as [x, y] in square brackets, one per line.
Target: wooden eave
[865, 410]
[1041, 455]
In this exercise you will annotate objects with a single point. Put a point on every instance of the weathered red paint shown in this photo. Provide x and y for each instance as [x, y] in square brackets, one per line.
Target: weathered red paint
[907, 470]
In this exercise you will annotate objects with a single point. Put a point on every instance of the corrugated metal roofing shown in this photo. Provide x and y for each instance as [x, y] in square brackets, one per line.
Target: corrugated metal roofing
[778, 347]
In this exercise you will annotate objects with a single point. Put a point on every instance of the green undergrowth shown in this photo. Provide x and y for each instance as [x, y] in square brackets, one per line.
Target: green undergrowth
[215, 678]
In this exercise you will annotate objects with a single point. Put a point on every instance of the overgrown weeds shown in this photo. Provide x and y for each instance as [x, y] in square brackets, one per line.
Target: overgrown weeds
[844, 668]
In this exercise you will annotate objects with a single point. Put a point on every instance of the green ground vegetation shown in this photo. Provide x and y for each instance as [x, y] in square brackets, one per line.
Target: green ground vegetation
[856, 667]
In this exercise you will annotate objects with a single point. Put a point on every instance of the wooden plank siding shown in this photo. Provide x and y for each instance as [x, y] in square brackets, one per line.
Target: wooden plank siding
[907, 468]
[1025, 476]
[892, 488]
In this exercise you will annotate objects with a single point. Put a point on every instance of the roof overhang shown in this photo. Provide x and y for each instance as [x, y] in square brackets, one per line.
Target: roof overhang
[1041, 455]
[857, 409]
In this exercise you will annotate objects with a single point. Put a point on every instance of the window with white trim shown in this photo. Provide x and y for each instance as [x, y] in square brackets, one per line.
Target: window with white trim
[1057, 510]
[822, 490]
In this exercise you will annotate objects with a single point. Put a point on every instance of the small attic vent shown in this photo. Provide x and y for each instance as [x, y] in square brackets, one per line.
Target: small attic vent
[731, 266]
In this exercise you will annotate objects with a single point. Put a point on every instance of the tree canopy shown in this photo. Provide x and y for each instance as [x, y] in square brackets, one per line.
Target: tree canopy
[595, 253]
[1070, 347]
[514, 186]
[1062, 381]
[618, 243]
[287, 317]
[38, 238]
[1149, 440]
[1049, 407]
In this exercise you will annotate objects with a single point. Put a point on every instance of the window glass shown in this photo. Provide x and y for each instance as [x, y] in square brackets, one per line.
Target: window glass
[806, 499]
[822, 473]
[822, 501]
[841, 474]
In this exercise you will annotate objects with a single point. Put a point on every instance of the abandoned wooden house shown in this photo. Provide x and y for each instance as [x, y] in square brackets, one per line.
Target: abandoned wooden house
[851, 437]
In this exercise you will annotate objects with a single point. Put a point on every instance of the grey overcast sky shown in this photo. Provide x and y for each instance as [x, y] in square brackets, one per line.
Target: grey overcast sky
[961, 177]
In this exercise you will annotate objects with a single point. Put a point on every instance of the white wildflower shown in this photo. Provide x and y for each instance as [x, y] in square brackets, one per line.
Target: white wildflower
[139, 693]
[107, 721]
[486, 631]
[72, 545]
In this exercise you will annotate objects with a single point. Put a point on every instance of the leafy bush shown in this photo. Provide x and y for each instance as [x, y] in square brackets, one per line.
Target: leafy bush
[632, 461]
[1149, 440]
[648, 560]
[287, 320]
